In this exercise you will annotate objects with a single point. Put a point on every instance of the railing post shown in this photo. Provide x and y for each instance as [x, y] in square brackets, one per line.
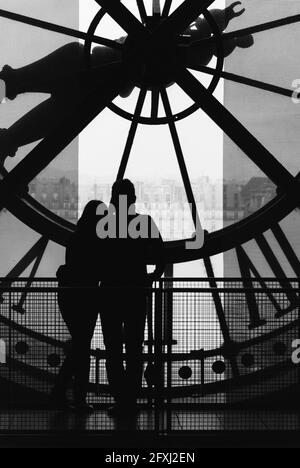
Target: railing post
[159, 361]
[168, 303]
[298, 367]
[9, 357]
[202, 364]
[168, 338]
[150, 342]
[97, 367]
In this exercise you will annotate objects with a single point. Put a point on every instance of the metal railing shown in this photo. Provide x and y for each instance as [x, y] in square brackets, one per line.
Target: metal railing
[203, 345]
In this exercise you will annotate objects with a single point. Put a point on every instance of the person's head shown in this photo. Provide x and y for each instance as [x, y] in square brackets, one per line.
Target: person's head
[123, 188]
[89, 218]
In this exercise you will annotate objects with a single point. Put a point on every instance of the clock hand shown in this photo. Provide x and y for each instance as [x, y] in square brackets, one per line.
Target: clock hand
[57, 28]
[62, 135]
[35, 124]
[251, 30]
[125, 19]
[50, 74]
[245, 80]
[263, 27]
[237, 132]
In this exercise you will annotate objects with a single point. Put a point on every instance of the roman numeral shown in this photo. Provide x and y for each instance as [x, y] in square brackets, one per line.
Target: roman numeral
[249, 272]
[33, 256]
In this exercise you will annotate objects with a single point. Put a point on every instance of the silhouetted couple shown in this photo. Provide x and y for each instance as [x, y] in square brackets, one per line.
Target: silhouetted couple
[112, 247]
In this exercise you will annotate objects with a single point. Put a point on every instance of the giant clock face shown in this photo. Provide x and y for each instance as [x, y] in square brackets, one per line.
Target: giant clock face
[154, 57]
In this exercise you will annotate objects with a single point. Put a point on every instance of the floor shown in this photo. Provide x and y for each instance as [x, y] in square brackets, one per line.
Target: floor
[193, 430]
[146, 421]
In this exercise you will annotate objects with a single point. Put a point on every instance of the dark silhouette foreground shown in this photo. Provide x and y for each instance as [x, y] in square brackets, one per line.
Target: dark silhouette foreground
[124, 296]
[79, 306]
[119, 258]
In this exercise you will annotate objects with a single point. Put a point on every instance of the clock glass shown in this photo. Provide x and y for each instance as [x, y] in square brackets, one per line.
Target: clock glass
[206, 126]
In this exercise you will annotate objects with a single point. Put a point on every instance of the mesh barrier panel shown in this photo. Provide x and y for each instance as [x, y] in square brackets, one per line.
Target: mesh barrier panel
[205, 348]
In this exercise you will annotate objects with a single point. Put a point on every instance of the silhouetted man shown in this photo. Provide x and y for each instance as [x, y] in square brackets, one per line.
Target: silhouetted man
[131, 240]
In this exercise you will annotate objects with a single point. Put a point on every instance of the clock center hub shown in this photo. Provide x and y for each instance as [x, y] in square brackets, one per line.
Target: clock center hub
[154, 62]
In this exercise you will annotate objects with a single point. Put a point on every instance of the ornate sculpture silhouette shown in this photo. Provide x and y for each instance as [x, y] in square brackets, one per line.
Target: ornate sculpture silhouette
[200, 29]
[58, 74]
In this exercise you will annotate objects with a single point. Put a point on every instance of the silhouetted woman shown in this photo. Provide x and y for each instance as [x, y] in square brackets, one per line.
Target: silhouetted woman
[79, 306]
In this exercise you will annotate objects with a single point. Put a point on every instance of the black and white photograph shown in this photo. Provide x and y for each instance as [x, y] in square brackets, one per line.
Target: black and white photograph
[149, 226]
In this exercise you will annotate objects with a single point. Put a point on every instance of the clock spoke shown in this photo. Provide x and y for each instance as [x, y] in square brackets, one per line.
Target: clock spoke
[58, 29]
[246, 81]
[124, 18]
[167, 8]
[71, 124]
[131, 134]
[181, 160]
[155, 95]
[142, 11]
[255, 150]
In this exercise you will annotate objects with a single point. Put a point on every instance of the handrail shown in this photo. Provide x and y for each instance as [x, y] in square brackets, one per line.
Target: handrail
[228, 351]
[9, 279]
[19, 289]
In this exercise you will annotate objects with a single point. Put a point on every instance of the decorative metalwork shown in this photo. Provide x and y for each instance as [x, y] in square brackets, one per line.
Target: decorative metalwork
[189, 353]
[191, 369]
